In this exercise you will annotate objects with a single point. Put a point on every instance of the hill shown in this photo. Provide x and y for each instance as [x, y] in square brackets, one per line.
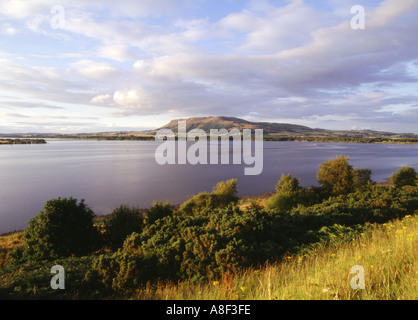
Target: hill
[277, 129]
[271, 130]
[208, 123]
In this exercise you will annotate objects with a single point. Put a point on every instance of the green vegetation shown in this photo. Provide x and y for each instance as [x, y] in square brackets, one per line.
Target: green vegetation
[343, 139]
[65, 228]
[22, 141]
[223, 194]
[289, 194]
[210, 248]
[405, 176]
[387, 252]
[122, 222]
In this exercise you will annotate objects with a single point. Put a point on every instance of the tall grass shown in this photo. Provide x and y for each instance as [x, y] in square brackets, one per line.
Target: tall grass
[388, 253]
[7, 243]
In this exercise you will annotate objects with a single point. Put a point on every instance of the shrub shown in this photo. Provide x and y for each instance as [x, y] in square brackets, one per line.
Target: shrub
[404, 176]
[336, 176]
[63, 229]
[289, 194]
[158, 211]
[362, 178]
[123, 222]
[223, 194]
[287, 184]
[287, 201]
[214, 241]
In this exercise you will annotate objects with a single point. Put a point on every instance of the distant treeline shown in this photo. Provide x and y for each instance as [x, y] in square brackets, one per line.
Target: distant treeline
[120, 138]
[343, 139]
[22, 141]
[151, 137]
[283, 138]
[273, 138]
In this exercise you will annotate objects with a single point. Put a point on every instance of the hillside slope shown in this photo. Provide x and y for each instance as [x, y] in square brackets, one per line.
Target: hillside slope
[275, 129]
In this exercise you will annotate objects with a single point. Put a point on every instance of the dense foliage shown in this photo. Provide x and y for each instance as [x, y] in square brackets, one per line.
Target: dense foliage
[289, 194]
[122, 222]
[405, 176]
[63, 229]
[223, 194]
[158, 211]
[212, 242]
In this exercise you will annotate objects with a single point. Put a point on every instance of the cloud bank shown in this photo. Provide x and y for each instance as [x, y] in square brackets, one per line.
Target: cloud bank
[142, 63]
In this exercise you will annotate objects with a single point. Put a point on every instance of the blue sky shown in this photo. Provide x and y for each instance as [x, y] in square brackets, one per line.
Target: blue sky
[130, 65]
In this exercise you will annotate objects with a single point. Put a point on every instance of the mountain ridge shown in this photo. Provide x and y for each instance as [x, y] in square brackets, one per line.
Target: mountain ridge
[276, 129]
[271, 131]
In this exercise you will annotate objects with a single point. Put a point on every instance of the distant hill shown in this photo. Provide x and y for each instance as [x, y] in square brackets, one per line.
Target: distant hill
[229, 123]
[271, 130]
[277, 129]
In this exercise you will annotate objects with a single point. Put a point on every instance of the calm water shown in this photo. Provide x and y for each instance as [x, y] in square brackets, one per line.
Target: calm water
[108, 174]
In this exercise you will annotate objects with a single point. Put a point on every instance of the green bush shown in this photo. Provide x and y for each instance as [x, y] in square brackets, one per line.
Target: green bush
[362, 178]
[158, 211]
[336, 176]
[65, 228]
[404, 176]
[289, 194]
[223, 194]
[214, 241]
[122, 222]
[288, 184]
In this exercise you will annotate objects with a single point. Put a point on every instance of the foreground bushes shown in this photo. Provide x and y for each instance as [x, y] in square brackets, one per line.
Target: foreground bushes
[122, 222]
[223, 194]
[65, 228]
[207, 237]
[212, 242]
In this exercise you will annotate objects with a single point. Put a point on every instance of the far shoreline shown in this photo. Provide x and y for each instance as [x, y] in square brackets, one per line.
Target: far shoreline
[20, 141]
[151, 138]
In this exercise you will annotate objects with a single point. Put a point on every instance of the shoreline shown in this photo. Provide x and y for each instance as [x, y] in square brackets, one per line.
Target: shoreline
[21, 141]
[245, 200]
[266, 138]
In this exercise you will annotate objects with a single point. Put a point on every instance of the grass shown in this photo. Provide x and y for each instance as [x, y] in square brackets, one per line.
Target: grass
[388, 253]
[7, 243]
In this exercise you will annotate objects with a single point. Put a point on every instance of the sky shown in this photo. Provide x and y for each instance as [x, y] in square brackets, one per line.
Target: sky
[94, 66]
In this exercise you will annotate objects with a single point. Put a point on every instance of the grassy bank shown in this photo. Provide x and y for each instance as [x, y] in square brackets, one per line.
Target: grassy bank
[388, 253]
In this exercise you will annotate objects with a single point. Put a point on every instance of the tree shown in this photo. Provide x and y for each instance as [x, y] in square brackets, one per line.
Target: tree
[289, 194]
[336, 176]
[287, 184]
[362, 178]
[123, 222]
[404, 176]
[225, 192]
[63, 229]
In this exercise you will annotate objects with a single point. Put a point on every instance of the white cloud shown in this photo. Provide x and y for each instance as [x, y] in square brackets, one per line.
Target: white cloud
[119, 53]
[96, 70]
[100, 99]
[10, 31]
[294, 61]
